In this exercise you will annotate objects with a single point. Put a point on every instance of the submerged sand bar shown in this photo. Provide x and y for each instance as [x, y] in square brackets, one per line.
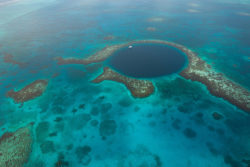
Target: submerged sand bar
[197, 70]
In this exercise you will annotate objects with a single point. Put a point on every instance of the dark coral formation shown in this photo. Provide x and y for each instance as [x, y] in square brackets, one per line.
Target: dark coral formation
[189, 133]
[176, 124]
[81, 106]
[247, 162]
[29, 92]
[105, 107]
[47, 147]
[83, 154]
[80, 120]
[138, 88]
[217, 116]
[94, 123]
[125, 102]
[197, 70]
[211, 148]
[15, 147]
[228, 159]
[140, 157]
[107, 128]
[8, 58]
[42, 131]
[61, 162]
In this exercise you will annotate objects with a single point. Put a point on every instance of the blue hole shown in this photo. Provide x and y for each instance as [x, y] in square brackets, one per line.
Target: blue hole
[147, 60]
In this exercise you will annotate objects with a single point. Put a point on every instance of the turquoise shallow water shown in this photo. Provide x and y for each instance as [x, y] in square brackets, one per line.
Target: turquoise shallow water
[102, 125]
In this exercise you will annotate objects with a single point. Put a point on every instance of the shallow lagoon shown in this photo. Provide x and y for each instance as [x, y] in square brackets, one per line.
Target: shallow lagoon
[78, 123]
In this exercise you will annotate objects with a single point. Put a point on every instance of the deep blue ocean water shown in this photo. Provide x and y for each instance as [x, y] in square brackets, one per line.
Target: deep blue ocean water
[102, 125]
[147, 60]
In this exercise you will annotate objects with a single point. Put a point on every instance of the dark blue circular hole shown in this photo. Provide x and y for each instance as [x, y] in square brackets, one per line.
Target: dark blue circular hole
[147, 60]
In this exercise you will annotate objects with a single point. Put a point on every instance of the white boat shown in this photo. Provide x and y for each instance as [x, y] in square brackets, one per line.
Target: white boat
[130, 47]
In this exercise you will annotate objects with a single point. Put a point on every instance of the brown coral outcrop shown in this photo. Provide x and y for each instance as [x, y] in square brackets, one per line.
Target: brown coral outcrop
[8, 58]
[29, 92]
[15, 147]
[95, 58]
[138, 88]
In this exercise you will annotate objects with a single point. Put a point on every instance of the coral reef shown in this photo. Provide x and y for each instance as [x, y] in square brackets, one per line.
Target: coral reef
[197, 70]
[29, 92]
[82, 154]
[217, 116]
[107, 128]
[61, 162]
[94, 123]
[15, 147]
[95, 58]
[138, 88]
[140, 157]
[47, 147]
[8, 58]
[80, 120]
[247, 162]
[217, 83]
[189, 133]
